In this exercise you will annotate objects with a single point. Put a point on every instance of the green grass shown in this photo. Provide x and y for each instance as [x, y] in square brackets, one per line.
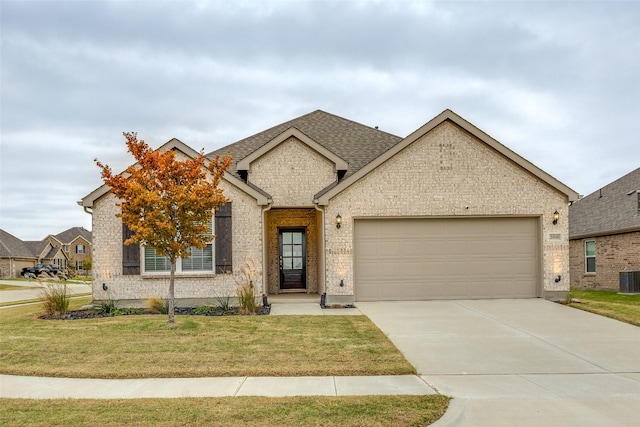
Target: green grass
[625, 308]
[4, 287]
[231, 411]
[195, 346]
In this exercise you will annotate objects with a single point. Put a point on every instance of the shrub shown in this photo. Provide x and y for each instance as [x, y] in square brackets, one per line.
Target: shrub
[55, 300]
[224, 302]
[204, 309]
[158, 305]
[245, 291]
[108, 306]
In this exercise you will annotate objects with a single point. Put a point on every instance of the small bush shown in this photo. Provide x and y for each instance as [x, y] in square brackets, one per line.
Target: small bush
[158, 305]
[55, 300]
[224, 302]
[205, 309]
[108, 306]
[245, 291]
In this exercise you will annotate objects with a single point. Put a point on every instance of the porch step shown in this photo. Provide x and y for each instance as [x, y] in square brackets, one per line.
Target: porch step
[294, 298]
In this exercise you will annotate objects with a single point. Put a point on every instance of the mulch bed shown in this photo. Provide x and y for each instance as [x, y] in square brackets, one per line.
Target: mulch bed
[187, 311]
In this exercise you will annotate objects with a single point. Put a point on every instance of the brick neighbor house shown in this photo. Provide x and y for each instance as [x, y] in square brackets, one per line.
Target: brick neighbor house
[323, 205]
[16, 254]
[604, 233]
[76, 243]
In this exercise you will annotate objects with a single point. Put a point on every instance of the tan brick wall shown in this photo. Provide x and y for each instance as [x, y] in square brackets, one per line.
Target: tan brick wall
[614, 253]
[447, 172]
[292, 173]
[301, 218]
[107, 255]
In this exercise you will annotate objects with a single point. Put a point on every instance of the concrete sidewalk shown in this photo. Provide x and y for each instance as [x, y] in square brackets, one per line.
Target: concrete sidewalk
[32, 290]
[80, 388]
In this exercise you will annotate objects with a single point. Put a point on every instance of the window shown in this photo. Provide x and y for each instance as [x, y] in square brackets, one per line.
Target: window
[199, 260]
[80, 265]
[590, 256]
[80, 249]
[66, 248]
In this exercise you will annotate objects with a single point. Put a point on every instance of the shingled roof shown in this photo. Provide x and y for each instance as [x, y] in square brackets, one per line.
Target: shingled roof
[611, 210]
[355, 143]
[69, 235]
[12, 247]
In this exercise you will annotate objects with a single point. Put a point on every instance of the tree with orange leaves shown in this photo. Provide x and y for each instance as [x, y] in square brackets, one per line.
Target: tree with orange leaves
[167, 203]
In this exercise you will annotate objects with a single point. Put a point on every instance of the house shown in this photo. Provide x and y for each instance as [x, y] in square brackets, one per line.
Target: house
[323, 205]
[76, 243]
[604, 234]
[15, 254]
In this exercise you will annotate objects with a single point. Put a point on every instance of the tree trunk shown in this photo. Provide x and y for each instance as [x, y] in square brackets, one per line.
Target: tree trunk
[172, 298]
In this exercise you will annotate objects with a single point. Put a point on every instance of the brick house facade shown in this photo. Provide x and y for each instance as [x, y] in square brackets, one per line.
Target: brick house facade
[604, 233]
[324, 205]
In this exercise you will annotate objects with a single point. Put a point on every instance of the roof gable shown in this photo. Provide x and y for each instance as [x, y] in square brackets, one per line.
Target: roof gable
[176, 144]
[68, 236]
[609, 210]
[325, 195]
[245, 164]
[352, 142]
[12, 247]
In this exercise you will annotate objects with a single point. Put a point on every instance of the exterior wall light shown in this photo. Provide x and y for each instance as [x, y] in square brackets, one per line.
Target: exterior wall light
[556, 217]
[338, 221]
[104, 287]
[342, 283]
[557, 279]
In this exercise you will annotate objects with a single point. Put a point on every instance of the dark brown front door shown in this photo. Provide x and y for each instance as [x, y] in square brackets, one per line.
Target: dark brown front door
[293, 259]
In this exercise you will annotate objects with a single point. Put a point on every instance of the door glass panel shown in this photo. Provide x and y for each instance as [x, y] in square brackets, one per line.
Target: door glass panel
[297, 238]
[286, 250]
[297, 263]
[286, 238]
[287, 263]
[297, 250]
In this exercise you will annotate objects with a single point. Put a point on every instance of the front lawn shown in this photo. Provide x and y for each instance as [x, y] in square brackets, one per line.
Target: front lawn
[145, 346]
[229, 411]
[625, 308]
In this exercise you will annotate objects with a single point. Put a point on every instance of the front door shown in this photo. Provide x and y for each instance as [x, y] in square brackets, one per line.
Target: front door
[293, 259]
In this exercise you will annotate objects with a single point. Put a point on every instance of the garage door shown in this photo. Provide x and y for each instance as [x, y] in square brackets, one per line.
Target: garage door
[446, 258]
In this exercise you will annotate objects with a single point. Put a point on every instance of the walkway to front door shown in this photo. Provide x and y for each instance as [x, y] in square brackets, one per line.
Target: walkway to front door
[292, 259]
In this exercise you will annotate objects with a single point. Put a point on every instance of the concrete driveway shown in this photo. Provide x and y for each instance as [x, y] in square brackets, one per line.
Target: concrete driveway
[519, 362]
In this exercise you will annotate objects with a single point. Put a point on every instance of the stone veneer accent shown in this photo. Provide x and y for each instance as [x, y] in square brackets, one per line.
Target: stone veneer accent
[292, 218]
[614, 253]
[107, 256]
[447, 172]
[292, 173]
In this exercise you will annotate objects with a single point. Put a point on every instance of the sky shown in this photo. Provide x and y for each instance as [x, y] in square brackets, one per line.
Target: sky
[558, 82]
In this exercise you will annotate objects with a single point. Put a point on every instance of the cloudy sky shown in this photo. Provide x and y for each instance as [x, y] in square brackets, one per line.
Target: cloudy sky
[558, 82]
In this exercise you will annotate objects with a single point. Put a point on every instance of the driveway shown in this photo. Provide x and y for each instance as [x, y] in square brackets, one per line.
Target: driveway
[31, 290]
[519, 362]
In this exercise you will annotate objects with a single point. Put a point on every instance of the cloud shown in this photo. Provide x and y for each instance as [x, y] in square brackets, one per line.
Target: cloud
[557, 82]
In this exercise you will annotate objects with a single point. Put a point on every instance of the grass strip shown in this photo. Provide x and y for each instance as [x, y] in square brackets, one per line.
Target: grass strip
[625, 308]
[370, 411]
[146, 346]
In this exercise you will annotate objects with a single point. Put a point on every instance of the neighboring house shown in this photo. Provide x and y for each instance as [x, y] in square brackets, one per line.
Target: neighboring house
[323, 205]
[15, 254]
[76, 243]
[604, 233]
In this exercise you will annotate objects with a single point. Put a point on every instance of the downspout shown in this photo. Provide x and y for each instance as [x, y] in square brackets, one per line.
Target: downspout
[264, 246]
[323, 277]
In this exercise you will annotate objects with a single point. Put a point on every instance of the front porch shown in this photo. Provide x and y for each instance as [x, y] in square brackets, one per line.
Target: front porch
[293, 248]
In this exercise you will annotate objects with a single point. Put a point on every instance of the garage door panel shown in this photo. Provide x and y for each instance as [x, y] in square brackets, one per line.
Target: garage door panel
[412, 259]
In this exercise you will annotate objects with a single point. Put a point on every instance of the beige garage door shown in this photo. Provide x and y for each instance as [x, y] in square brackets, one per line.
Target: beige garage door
[461, 258]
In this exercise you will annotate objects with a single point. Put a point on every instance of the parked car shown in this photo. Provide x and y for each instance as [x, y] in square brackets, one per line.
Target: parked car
[39, 268]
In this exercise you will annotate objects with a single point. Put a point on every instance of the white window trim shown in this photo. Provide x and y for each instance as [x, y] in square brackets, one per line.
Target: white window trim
[143, 267]
[586, 268]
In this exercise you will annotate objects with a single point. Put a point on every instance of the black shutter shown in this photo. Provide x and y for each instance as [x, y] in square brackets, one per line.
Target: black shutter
[223, 239]
[130, 254]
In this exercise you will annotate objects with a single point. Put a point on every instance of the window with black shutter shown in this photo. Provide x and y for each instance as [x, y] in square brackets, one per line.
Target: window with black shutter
[130, 254]
[223, 228]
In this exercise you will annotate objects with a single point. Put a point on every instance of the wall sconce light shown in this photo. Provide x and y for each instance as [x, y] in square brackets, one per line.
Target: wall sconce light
[342, 283]
[557, 279]
[556, 217]
[104, 287]
[338, 221]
